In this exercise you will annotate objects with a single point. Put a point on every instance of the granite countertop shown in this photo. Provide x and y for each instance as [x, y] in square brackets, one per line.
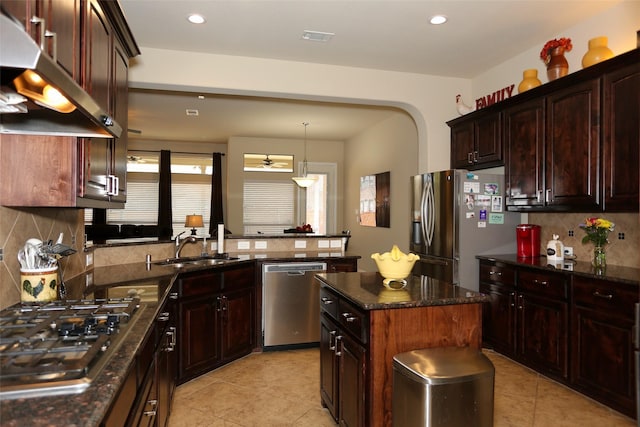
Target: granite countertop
[614, 273]
[152, 284]
[90, 407]
[365, 289]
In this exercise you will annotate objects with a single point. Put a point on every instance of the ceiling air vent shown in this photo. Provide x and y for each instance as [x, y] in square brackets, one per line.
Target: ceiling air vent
[192, 112]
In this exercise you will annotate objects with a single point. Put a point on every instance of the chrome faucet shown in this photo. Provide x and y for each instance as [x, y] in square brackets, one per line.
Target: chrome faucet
[180, 243]
[190, 239]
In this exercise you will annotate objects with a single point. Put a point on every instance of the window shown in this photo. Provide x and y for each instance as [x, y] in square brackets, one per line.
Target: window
[268, 206]
[190, 190]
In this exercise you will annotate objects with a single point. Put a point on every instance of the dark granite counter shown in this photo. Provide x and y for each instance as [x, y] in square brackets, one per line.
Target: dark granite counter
[151, 283]
[614, 273]
[90, 407]
[367, 291]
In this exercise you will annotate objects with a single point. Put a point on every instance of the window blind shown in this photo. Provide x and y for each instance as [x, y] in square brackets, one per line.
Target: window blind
[268, 206]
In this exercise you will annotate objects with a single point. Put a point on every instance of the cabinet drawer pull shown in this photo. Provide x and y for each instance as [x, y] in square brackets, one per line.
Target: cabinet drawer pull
[150, 413]
[600, 295]
[326, 301]
[173, 295]
[349, 317]
[543, 282]
[163, 317]
[498, 273]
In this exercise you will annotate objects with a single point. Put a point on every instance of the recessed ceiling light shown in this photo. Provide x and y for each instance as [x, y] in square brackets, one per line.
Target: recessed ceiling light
[194, 18]
[317, 36]
[438, 19]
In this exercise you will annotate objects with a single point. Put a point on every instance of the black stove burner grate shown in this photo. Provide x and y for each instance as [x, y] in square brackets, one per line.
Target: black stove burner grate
[49, 343]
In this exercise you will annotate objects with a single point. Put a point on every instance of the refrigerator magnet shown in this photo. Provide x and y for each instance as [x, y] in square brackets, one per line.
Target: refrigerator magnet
[470, 201]
[496, 218]
[471, 187]
[491, 188]
[496, 203]
[483, 214]
[482, 224]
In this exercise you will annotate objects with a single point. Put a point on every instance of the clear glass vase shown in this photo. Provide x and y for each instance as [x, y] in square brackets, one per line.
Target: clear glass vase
[599, 257]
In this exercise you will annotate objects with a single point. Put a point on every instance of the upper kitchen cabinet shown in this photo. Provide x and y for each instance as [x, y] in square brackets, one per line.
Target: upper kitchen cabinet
[55, 26]
[74, 170]
[571, 144]
[572, 148]
[476, 142]
[621, 138]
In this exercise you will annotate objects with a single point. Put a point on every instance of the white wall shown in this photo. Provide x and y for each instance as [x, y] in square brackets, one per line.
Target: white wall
[430, 100]
[387, 146]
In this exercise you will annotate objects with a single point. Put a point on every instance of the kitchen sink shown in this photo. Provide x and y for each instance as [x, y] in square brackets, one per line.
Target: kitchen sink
[195, 261]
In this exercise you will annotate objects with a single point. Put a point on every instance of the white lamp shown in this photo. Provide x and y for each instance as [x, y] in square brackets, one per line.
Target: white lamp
[304, 181]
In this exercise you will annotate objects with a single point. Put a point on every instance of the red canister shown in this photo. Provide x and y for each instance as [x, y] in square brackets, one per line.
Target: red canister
[528, 240]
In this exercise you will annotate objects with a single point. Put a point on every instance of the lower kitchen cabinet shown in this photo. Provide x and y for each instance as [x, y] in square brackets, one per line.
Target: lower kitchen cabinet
[342, 361]
[217, 317]
[527, 317]
[342, 265]
[574, 329]
[602, 342]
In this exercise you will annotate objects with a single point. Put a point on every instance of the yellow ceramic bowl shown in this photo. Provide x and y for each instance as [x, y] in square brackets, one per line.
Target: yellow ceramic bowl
[394, 265]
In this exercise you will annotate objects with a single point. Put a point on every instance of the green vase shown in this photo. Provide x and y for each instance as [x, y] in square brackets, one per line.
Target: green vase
[599, 258]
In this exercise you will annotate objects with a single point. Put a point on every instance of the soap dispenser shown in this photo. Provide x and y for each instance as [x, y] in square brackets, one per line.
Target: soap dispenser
[555, 251]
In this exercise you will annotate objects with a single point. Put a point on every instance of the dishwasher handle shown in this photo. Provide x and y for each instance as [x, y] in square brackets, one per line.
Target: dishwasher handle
[295, 268]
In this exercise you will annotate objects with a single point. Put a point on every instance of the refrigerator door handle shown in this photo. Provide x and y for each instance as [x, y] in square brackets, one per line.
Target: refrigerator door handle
[427, 206]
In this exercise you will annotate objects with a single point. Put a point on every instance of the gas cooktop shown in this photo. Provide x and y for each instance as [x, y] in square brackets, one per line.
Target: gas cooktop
[61, 346]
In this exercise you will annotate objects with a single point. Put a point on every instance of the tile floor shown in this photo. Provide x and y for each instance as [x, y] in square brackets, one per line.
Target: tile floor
[282, 389]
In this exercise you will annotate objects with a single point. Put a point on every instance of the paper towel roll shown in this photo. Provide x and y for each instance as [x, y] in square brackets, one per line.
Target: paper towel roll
[220, 238]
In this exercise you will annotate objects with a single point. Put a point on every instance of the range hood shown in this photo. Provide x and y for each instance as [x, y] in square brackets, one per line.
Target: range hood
[26, 114]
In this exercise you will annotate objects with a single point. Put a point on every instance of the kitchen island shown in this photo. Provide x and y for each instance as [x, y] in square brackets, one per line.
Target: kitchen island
[364, 324]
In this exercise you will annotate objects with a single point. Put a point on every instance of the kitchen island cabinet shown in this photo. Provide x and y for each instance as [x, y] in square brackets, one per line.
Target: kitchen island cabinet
[365, 324]
[574, 325]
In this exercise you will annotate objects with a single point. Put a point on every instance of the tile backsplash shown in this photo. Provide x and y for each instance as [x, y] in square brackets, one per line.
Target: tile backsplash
[17, 225]
[623, 252]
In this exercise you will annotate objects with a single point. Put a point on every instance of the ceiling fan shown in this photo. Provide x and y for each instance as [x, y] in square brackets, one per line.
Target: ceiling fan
[269, 162]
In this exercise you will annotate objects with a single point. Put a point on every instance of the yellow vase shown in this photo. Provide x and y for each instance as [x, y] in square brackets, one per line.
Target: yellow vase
[598, 52]
[529, 80]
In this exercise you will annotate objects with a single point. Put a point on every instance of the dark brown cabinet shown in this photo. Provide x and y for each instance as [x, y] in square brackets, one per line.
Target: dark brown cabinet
[602, 342]
[553, 146]
[93, 44]
[527, 317]
[621, 139]
[217, 312]
[477, 143]
[575, 329]
[572, 147]
[335, 265]
[342, 359]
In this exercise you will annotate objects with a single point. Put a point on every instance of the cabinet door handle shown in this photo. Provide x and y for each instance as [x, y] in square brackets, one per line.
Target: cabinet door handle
[349, 317]
[470, 158]
[163, 317]
[332, 345]
[547, 195]
[173, 295]
[338, 353]
[150, 413]
[475, 157]
[520, 304]
[218, 304]
[601, 295]
[512, 296]
[326, 301]
[543, 282]
[539, 196]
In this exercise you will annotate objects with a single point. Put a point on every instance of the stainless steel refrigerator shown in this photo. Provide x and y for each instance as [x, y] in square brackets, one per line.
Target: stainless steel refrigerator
[456, 215]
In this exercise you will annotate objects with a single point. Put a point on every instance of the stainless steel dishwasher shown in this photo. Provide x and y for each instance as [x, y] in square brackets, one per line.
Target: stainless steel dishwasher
[290, 303]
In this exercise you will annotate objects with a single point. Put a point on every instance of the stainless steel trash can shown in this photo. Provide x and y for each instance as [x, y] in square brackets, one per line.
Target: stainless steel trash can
[443, 387]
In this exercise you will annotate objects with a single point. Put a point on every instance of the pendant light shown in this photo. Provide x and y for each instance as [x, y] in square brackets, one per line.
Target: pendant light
[304, 181]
